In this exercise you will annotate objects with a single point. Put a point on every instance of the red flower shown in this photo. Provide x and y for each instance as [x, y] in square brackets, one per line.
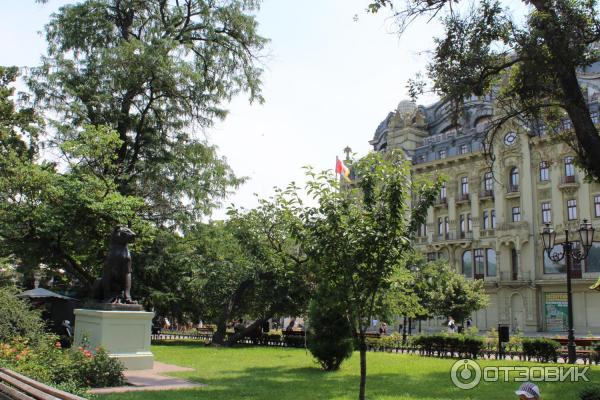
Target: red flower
[58, 345]
[87, 353]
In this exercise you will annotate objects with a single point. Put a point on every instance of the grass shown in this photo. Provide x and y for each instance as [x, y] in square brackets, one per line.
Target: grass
[291, 374]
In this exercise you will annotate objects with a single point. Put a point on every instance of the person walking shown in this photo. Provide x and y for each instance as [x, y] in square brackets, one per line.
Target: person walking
[528, 391]
[451, 325]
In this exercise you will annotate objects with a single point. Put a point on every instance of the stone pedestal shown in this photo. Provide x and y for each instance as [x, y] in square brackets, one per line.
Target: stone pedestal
[123, 334]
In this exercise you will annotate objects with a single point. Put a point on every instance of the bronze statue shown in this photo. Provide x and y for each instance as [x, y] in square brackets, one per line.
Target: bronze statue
[115, 284]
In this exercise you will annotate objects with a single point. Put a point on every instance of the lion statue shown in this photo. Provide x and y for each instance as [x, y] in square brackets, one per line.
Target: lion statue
[115, 284]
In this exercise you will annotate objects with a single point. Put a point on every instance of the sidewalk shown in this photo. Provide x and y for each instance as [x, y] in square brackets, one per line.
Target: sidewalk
[151, 379]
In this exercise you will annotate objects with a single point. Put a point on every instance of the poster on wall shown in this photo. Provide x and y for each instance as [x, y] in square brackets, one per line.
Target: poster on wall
[556, 312]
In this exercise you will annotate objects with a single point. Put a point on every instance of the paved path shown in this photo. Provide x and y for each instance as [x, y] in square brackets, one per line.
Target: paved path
[151, 379]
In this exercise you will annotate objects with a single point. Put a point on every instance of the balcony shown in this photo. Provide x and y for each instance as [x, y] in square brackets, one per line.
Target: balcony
[462, 198]
[487, 233]
[568, 183]
[441, 202]
[443, 237]
[512, 191]
[466, 235]
[513, 226]
[486, 194]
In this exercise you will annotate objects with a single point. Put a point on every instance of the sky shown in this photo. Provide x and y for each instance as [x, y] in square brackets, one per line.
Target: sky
[332, 72]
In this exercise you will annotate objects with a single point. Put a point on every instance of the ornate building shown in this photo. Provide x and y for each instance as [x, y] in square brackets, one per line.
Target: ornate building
[488, 217]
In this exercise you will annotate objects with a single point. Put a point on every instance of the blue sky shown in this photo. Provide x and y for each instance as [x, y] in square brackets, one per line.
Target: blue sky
[329, 81]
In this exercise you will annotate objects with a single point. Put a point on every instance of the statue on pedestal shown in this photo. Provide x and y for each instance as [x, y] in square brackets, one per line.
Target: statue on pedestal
[114, 287]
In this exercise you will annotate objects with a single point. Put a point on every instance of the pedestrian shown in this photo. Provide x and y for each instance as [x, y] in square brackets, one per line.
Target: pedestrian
[383, 329]
[528, 391]
[451, 325]
[469, 322]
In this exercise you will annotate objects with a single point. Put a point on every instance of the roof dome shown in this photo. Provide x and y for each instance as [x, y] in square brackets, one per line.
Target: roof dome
[406, 107]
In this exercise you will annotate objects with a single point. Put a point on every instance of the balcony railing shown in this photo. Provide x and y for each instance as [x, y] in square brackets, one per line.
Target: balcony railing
[513, 189]
[515, 276]
[442, 237]
[463, 197]
[441, 201]
[486, 193]
[466, 235]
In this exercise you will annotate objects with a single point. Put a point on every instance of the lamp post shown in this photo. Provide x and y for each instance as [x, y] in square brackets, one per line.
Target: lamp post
[586, 235]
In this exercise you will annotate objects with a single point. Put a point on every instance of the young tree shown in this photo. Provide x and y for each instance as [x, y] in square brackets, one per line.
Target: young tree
[358, 235]
[153, 71]
[530, 67]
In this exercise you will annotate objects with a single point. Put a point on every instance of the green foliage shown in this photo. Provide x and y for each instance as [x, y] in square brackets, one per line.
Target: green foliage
[591, 392]
[542, 349]
[330, 338]
[359, 234]
[153, 71]
[72, 371]
[17, 320]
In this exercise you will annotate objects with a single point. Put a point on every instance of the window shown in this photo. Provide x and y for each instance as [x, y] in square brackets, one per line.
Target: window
[592, 262]
[493, 213]
[442, 154]
[464, 185]
[440, 227]
[422, 159]
[469, 223]
[597, 206]
[514, 179]
[479, 263]
[464, 149]
[446, 225]
[491, 262]
[488, 183]
[443, 192]
[569, 166]
[462, 224]
[467, 264]
[516, 214]
[544, 171]
[551, 267]
[486, 220]
[546, 213]
[431, 256]
[571, 209]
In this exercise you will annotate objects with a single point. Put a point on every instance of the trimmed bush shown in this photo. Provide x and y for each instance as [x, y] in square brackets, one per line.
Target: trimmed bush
[442, 344]
[542, 349]
[329, 335]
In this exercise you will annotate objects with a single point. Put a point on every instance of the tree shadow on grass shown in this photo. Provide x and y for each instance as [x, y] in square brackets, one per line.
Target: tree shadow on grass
[410, 378]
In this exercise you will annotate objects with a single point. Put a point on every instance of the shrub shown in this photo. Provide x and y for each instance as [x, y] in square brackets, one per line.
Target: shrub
[541, 348]
[463, 345]
[98, 369]
[596, 353]
[329, 335]
[17, 319]
[590, 393]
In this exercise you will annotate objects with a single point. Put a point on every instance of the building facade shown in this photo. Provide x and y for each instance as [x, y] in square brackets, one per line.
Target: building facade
[489, 215]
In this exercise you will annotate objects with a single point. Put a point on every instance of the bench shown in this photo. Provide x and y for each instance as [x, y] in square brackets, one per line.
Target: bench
[14, 386]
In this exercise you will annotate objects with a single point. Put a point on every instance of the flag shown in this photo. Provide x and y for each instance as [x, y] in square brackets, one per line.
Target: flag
[341, 169]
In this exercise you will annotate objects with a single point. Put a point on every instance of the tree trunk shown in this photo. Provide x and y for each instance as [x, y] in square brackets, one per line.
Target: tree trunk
[249, 330]
[363, 365]
[219, 335]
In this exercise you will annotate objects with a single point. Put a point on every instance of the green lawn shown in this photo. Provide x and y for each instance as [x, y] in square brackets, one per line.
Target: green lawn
[291, 374]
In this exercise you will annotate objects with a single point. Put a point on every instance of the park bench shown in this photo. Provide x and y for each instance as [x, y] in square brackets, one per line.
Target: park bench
[584, 348]
[14, 386]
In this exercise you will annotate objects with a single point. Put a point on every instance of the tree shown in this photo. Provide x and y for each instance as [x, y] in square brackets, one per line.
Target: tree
[282, 283]
[58, 217]
[444, 292]
[530, 67]
[358, 235]
[152, 71]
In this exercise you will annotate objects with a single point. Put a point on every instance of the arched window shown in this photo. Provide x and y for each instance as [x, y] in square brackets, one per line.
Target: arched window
[467, 264]
[513, 179]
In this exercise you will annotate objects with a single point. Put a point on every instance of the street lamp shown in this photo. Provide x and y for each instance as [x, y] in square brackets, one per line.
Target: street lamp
[586, 236]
